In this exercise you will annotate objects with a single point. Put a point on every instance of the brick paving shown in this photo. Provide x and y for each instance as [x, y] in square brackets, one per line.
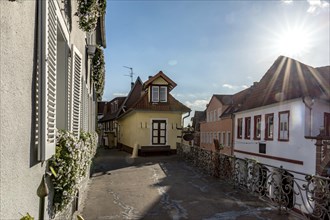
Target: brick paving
[164, 187]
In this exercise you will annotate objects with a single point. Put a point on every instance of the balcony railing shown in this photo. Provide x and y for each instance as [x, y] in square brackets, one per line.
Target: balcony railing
[307, 195]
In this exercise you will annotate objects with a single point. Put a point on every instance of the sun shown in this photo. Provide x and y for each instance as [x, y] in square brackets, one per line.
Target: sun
[293, 42]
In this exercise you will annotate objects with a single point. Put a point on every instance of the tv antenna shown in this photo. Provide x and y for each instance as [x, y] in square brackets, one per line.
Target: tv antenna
[130, 74]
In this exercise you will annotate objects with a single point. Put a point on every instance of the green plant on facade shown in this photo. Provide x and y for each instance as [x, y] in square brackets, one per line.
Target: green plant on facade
[70, 165]
[27, 217]
[88, 12]
[98, 72]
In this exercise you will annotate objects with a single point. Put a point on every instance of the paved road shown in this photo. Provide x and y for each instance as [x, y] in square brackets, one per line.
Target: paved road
[163, 187]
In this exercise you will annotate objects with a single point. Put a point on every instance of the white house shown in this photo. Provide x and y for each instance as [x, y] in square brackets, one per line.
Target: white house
[46, 85]
[290, 104]
[277, 126]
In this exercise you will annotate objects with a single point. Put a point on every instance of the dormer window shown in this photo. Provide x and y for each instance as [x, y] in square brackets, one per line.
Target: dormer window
[159, 93]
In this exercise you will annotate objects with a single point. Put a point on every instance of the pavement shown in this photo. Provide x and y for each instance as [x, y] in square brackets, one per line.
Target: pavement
[164, 187]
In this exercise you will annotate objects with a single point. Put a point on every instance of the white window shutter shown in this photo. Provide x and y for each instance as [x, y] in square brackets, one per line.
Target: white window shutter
[76, 90]
[69, 94]
[48, 50]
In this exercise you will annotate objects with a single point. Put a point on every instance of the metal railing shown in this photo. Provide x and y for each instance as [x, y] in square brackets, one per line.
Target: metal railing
[307, 195]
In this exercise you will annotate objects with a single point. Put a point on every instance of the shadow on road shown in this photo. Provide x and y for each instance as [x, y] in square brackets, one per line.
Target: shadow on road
[164, 187]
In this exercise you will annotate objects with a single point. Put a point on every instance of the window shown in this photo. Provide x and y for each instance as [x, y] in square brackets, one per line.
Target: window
[257, 127]
[219, 137]
[224, 138]
[239, 127]
[219, 113]
[215, 115]
[155, 94]
[269, 132]
[327, 124]
[163, 94]
[228, 138]
[159, 93]
[158, 132]
[247, 128]
[283, 129]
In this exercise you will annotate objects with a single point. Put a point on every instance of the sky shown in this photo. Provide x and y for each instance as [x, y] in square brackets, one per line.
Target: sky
[210, 47]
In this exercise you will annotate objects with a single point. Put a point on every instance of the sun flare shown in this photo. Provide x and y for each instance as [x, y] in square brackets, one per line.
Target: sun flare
[293, 42]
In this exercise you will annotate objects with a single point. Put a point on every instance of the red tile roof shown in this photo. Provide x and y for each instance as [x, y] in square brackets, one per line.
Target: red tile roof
[137, 99]
[112, 115]
[224, 99]
[289, 79]
[171, 83]
[171, 105]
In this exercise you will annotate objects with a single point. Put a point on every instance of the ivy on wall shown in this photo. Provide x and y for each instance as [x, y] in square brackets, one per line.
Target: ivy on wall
[98, 72]
[70, 165]
[88, 12]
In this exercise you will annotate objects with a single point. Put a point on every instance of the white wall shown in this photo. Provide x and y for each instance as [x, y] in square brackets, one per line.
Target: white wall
[20, 174]
[318, 109]
[297, 148]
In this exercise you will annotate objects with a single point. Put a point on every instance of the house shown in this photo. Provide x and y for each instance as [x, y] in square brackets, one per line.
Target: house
[196, 119]
[150, 118]
[108, 122]
[215, 127]
[46, 85]
[284, 111]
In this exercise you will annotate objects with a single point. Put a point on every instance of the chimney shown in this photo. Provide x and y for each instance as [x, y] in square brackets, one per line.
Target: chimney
[132, 84]
[149, 77]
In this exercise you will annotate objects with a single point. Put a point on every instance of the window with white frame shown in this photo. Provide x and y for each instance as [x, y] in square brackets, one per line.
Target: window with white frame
[159, 93]
[224, 138]
[283, 134]
[219, 113]
[228, 138]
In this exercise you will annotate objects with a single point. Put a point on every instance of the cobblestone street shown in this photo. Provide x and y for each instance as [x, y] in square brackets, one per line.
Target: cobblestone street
[163, 187]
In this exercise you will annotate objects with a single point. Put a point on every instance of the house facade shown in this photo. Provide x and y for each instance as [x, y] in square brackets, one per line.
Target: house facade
[46, 86]
[108, 123]
[276, 128]
[215, 127]
[198, 117]
[150, 116]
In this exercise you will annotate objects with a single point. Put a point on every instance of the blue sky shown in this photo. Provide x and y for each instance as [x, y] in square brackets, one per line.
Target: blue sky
[210, 47]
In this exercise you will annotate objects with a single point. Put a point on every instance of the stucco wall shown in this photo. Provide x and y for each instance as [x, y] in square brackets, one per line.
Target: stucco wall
[131, 132]
[297, 148]
[215, 126]
[21, 173]
[20, 176]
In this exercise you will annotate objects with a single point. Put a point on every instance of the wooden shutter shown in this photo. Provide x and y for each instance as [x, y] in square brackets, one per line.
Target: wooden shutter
[76, 90]
[47, 62]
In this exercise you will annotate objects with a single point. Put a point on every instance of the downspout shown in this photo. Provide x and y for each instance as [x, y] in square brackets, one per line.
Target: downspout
[183, 126]
[42, 190]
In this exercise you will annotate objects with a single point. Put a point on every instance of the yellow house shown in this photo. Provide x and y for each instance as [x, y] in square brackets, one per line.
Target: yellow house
[150, 116]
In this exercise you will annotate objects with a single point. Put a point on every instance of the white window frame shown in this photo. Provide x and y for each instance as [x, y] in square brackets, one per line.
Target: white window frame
[159, 93]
